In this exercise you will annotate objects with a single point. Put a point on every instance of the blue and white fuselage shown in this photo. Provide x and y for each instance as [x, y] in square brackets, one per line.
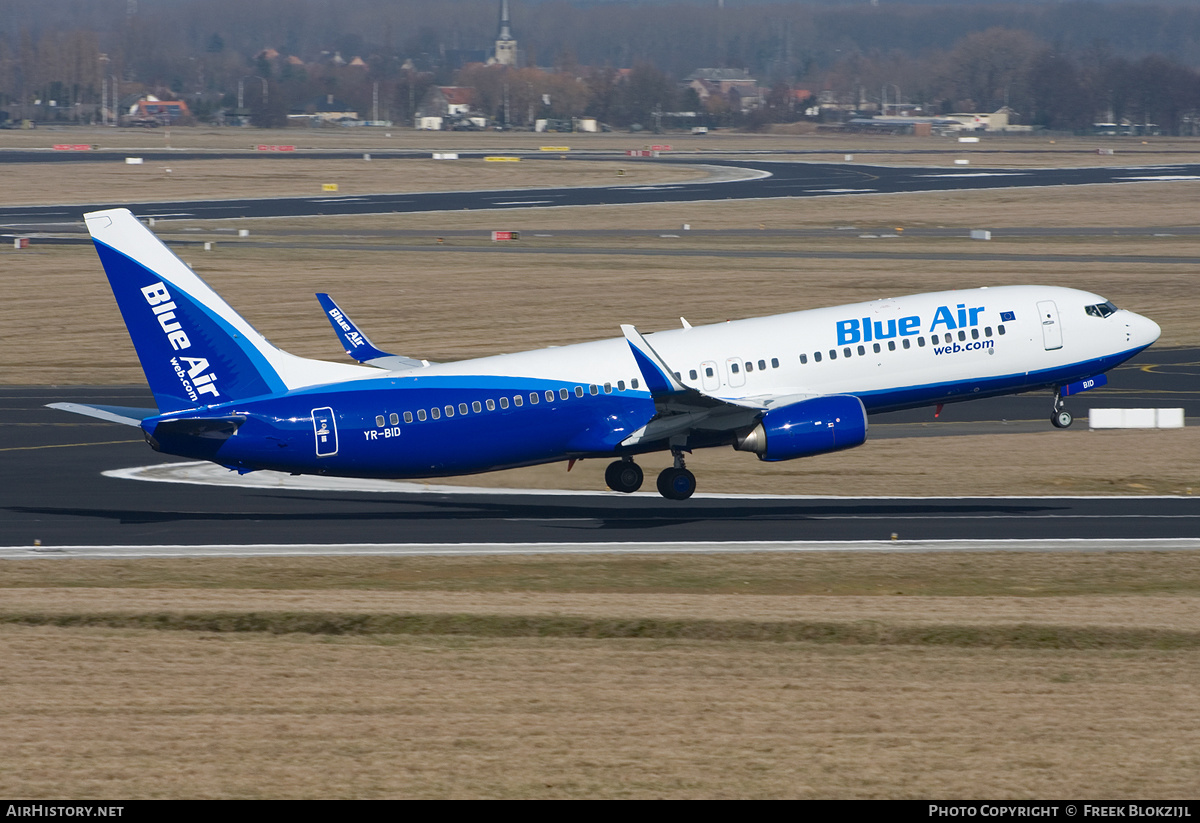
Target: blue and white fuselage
[784, 386]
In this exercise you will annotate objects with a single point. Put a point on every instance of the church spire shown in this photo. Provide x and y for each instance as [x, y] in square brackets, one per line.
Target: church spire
[506, 45]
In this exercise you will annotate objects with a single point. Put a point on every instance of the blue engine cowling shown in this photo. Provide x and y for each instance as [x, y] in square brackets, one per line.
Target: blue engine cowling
[816, 426]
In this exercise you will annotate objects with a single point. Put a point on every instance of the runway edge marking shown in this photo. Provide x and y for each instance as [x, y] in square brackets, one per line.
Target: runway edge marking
[692, 547]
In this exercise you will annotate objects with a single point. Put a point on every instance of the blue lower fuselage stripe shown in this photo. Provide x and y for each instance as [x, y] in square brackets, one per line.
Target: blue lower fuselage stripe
[909, 397]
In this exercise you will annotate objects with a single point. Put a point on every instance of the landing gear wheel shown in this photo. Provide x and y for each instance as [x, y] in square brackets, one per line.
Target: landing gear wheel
[623, 476]
[676, 484]
[1062, 419]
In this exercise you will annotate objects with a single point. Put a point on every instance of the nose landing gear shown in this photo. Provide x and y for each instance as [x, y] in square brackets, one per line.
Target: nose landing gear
[1061, 419]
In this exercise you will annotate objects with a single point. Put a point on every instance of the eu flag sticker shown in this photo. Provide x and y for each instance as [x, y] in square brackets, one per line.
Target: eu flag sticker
[1007, 316]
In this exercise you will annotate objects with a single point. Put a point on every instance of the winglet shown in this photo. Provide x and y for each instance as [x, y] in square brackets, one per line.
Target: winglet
[659, 378]
[354, 341]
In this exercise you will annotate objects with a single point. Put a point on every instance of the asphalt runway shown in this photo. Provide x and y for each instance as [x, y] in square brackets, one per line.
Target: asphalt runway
[54, 491]
[783, 178]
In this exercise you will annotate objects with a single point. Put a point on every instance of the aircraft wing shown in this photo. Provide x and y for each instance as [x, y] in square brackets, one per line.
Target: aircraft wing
[681, 408]
[358, 346]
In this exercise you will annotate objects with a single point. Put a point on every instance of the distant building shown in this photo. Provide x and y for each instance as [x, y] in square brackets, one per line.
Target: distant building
[981, 121]
[163, 111]
[323, 110]
[506, 44]
[448, 107]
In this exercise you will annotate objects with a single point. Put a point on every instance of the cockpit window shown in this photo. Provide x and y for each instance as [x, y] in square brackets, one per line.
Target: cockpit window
[1101, 309]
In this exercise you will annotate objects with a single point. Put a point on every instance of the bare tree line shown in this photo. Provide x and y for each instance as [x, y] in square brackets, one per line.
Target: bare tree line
[1060, 65]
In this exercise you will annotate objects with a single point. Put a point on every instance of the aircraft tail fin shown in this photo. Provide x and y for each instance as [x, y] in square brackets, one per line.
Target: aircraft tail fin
[194, 348]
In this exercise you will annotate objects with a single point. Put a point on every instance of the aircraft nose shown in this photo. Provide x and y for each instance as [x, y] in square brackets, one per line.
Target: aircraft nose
[1143, 330]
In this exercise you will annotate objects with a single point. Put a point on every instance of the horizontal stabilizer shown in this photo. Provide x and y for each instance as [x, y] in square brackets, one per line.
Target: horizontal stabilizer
[358, 345]
[211, 428]
[125, 415]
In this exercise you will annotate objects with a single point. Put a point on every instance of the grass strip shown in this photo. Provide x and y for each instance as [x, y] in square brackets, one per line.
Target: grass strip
[1017, 636]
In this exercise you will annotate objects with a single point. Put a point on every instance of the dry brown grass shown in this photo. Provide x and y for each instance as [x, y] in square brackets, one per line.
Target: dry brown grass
[853, 575]
[1042, 150]
[1175, 613]
[114, 183]
[133, 713]
[99, 713]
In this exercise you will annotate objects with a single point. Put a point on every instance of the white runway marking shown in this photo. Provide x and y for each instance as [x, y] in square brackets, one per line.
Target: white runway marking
[466, 549]
[203, 473]
[1163, 178]
[978, 174]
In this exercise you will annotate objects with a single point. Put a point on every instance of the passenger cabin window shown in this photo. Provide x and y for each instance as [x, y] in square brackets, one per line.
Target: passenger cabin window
[987, 331]
[749, 367]
[692, 375]
[491, 405]
[633, 383]
[519, 400]
[774, 362]
[379, 420]
[621, 384]
[449, 411]
[1000, 329]
[435, 413]
[906, 343]
[934, 338]
[833, 354]
[974, 334]
[891, 345]
[921, 342]
[408, 417]
[803, 358]
[708, 372]
[394, 418]
[762, 365]
[962, 335]
[877, 349]
[550, 396]
[593, 389]
[608, 388]
[421, 415]
[462, 408]
[846, 352]
[862, 350]
[733, 367]
[816, 357]
[533, 398]
[504, 402]
[563, 394]
[476, 407]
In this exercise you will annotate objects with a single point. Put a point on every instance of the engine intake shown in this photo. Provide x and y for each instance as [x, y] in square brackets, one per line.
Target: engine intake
[816, 426]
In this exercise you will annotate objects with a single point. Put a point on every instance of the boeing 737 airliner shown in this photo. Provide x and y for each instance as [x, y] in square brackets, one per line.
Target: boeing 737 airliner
[786, 386]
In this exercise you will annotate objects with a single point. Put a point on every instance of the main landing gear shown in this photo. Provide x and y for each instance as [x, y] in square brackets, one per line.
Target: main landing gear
[674, 483]
[623, 476]
[1061, 418]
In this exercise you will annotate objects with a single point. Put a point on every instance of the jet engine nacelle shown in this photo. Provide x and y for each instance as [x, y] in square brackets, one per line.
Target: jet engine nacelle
[815, 426]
